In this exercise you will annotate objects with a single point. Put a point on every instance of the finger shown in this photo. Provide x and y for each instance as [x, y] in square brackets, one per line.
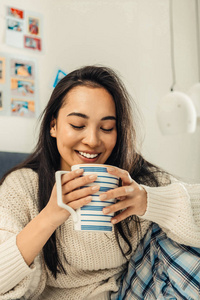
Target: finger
[121, 198]
[120, 205]
[79, 182]
[71, 175]
[81, 202]
[138, 205]
[122, 216]
[123, 174]
[80, 193]
[122, 191]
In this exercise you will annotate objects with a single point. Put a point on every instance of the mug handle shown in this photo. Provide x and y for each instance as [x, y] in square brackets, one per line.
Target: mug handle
[59, 196]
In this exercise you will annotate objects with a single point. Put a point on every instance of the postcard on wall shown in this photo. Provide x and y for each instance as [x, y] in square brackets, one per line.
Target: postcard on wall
[15, 25]
[21, 68]
[14, 12]
[23, 108]
[33, 26]
[23, 29]
[2, 69]
[32, 43]
[23, 88]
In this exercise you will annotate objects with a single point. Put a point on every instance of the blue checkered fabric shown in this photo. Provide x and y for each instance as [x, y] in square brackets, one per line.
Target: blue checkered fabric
[161, 269]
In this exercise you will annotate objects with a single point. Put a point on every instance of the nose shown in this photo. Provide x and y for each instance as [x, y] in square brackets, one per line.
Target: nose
[92, 138]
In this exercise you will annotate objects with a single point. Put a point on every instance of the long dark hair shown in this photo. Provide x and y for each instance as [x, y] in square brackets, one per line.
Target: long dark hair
[45, 159]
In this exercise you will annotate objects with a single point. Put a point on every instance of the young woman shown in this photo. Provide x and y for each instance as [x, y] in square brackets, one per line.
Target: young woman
[88, 119]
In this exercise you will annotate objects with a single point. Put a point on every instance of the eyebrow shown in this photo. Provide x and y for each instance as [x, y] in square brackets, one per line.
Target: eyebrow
[86, 117]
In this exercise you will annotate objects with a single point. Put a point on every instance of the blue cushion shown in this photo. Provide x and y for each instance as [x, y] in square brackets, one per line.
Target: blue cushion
[10, 159]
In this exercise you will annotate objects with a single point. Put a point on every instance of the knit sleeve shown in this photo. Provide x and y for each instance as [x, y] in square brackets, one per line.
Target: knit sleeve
[17, 207]
[176, 209]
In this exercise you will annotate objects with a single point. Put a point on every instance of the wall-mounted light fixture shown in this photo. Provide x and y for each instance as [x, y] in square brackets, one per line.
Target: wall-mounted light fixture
[176, 112]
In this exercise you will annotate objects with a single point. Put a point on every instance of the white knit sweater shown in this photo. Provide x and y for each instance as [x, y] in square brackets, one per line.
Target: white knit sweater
[94, 261]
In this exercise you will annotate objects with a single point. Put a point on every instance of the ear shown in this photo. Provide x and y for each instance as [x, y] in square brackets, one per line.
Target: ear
[53, 128]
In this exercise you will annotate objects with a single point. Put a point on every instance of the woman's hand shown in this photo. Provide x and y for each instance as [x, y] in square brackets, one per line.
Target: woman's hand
[72, 195]
[132, 197]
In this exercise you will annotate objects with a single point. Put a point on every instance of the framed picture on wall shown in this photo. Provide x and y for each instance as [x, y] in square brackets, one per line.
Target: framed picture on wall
[14, 25]
[15, 13]
[32, 43]
[22, 87]
[33, 26]
[23, 108]
[22, 69]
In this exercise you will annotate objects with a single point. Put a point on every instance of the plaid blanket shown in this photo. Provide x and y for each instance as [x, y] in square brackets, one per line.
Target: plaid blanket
[161, 269]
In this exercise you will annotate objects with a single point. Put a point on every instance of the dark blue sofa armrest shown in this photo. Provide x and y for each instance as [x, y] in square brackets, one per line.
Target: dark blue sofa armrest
[9, 160]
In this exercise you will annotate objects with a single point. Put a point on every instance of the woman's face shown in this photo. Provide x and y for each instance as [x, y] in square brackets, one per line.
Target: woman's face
[85, 128]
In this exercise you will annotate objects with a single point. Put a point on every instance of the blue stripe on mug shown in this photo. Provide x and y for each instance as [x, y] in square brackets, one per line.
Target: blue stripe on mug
[94, 169]
[90, 207]
[108, 177]
[109, 188]
[112, 183]
[93, 215]
[95, 221]
[104, 189]
[96, 227]
[96, 201]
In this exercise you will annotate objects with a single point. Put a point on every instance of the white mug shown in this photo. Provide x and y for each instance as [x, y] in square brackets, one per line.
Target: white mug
[90, 217]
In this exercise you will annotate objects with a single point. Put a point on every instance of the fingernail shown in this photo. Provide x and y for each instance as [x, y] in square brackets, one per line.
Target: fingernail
[114, 221]
[92, 177]
[129, 189]
[88, 199]
[95, 188]
[103, 197]
[106, 210]
[79, 171]
[129, 177]
[111, 169]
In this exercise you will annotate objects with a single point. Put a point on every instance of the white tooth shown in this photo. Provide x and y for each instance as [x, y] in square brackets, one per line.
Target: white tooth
[93, 155]
[88, 155]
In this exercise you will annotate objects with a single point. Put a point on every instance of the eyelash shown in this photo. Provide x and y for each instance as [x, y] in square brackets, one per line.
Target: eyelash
[77, 127]
[81, 127]
[107, 130]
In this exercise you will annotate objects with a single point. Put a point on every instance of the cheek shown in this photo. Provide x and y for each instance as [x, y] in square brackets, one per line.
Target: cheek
[67, 137]
[111, 142]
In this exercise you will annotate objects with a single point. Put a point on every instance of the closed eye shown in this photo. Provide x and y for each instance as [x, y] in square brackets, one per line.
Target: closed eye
[83, 126]
[107, 130]
[77, 127]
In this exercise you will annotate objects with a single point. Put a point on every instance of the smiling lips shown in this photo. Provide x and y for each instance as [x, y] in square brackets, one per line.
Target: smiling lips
[88, 155]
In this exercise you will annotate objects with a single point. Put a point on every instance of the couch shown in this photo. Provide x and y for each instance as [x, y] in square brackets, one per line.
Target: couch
[9, 160]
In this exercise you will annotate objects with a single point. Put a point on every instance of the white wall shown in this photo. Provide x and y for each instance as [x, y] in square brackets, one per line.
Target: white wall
[132, 36]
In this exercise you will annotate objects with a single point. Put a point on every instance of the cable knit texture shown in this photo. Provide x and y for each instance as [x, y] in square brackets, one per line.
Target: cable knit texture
[175, 208]
[93, 261]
